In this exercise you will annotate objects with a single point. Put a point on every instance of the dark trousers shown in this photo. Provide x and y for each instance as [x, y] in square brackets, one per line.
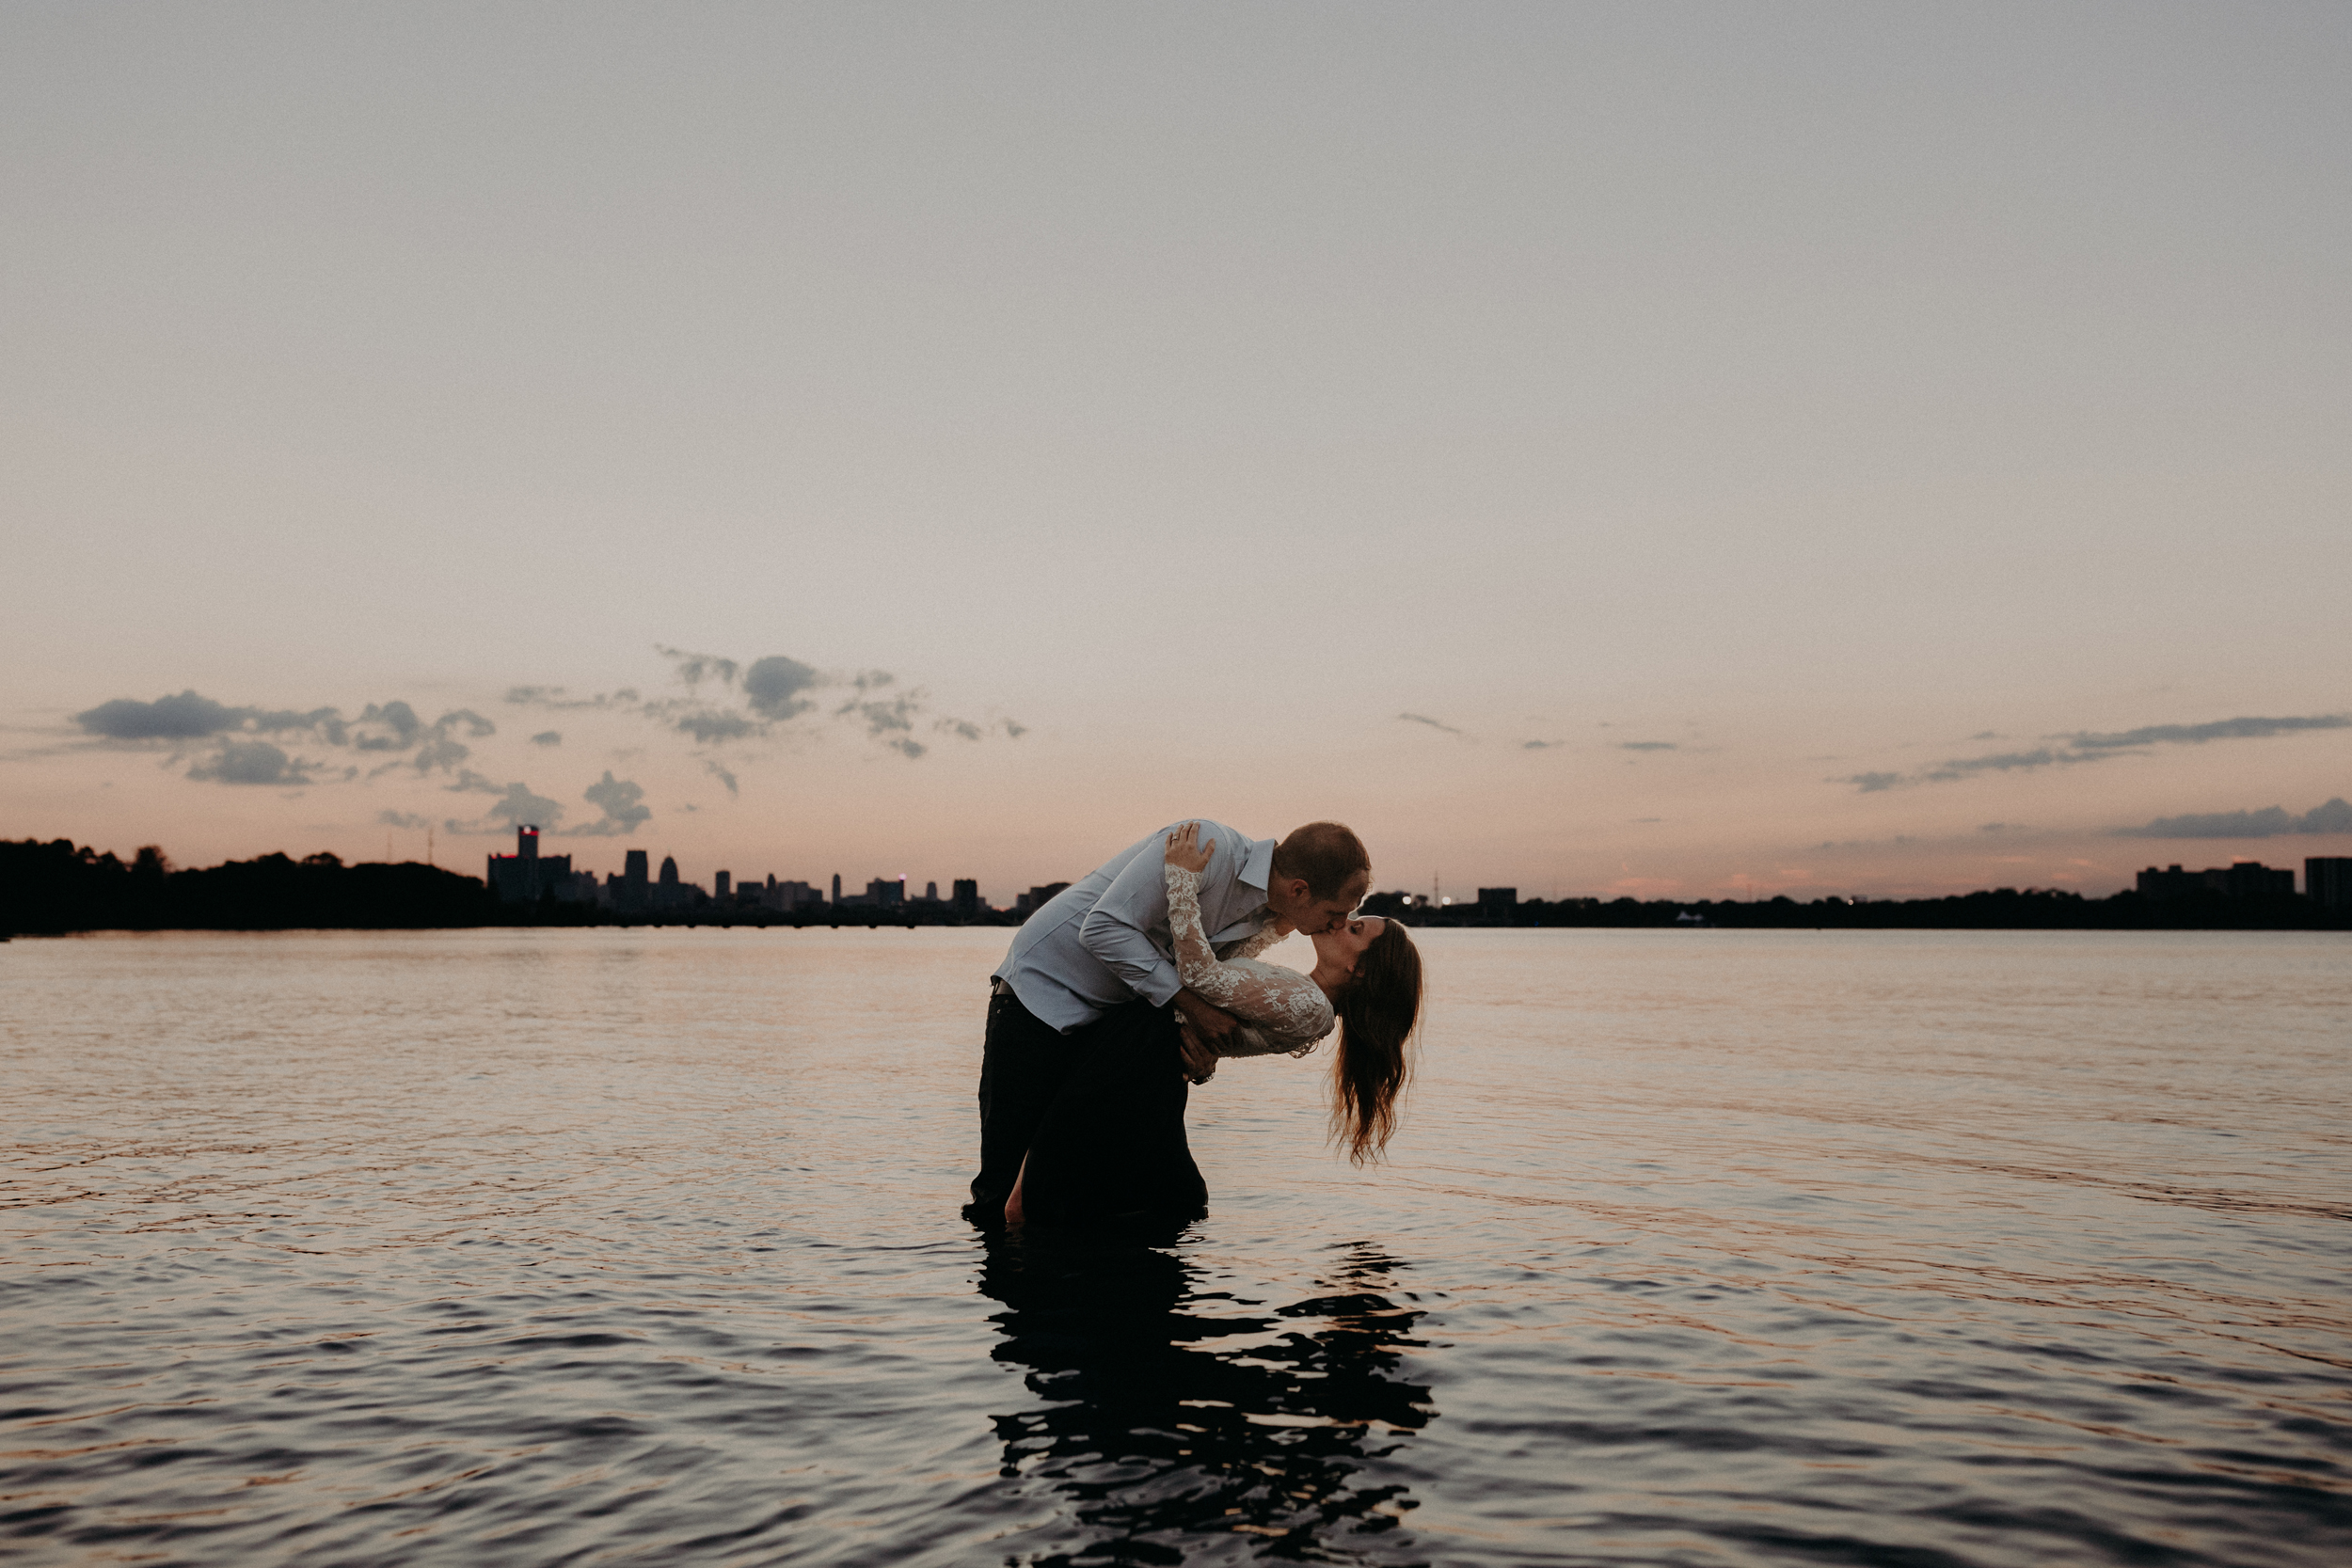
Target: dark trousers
[1023, 1065]
[1099, 1114]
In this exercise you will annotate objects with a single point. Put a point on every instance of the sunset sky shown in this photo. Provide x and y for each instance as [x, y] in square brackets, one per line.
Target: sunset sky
[1683, 450]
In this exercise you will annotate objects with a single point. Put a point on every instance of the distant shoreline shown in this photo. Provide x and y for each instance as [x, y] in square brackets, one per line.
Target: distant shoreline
[57, 889]
[1994, 909]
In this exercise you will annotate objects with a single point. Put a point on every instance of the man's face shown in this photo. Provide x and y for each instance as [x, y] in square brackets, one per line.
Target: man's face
[1311, 916]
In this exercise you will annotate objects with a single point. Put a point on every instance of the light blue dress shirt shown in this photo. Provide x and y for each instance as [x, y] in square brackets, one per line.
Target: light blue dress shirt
[1103, 940]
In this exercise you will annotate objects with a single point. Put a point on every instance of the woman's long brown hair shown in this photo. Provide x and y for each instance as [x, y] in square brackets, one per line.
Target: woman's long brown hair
[1376, 1013]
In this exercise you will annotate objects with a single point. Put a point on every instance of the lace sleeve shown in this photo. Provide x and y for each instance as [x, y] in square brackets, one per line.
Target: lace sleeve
[1250, 1040]
[1256, 942]
[1286, 1003]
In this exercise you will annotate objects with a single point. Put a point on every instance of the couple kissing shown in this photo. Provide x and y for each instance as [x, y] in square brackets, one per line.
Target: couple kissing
[1126, 989]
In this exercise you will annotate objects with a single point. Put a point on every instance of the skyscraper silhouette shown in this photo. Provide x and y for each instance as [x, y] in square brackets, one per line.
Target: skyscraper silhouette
[523, 876]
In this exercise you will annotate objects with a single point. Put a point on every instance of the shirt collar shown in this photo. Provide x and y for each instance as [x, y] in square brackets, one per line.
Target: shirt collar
[1257, 867]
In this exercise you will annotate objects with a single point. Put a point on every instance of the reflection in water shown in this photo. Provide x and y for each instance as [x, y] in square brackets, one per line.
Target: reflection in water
[1164, 1421]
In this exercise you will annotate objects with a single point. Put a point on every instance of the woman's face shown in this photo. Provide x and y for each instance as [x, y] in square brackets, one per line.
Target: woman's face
[1345, 942]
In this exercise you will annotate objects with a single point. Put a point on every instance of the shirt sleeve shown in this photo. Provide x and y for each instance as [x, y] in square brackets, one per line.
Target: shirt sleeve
[1117, 929]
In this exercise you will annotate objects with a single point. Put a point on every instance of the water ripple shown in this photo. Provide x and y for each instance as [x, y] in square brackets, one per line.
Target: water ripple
[588, 1247]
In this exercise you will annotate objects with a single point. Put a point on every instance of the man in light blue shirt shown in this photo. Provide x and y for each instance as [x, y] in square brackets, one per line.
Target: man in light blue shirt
[1102, 942]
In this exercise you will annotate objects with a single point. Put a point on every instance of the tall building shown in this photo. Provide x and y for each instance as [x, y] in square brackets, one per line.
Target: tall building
[2238, 880]
[883, 891]
[931, 893]
[668, 891]
[1027, 904]
[720, 883]
[836, 887]
[789, 896]
[967, 900]
[1498, 900]
[523, 876]
[2253, 880]
[2328, 880]
[634, 894]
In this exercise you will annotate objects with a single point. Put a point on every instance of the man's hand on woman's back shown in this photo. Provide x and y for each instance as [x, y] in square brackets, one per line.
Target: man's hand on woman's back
[1204, 1026]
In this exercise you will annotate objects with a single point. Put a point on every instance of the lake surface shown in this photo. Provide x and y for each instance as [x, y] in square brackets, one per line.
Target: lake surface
[1698, 1247]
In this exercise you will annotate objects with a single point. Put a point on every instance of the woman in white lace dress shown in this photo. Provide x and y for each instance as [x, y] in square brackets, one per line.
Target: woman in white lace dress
[1366, 980]
[1116, 1149]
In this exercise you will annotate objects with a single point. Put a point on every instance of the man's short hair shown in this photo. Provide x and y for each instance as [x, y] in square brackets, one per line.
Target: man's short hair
[1327, 855]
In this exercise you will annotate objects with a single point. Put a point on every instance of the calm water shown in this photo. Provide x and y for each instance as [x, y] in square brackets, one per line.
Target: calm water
[1699, 1247]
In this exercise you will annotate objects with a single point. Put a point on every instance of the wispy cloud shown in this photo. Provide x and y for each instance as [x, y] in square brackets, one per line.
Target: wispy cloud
[711, 726]
[2198, 734]
[775, 686]
[192, 716]
[1433, 724]
[693, 668]
[1648, 746]
[517, 803]
[889, 719]
[2334, 817]
[2007, 762]
[622, 805]
[717, 702]
[187, 717]
[2081, 746]
[226, 744]
[620, 808]
[729, 700]
[253, 761]
[560, 698]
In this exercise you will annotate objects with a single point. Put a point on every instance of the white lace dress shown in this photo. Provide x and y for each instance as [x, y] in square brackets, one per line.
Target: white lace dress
[1279, 1010]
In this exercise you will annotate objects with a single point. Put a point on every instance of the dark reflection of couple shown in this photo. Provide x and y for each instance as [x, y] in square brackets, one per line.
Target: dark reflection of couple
[1180, 1427]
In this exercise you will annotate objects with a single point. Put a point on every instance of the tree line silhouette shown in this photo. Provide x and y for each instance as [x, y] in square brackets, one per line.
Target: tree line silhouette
[2004, 909]
[56, 887]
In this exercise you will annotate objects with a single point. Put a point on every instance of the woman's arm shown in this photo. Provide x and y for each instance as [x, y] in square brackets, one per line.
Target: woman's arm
[1196, 960]
[1258, 942]
[1250, 1040]
[1252, 995]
